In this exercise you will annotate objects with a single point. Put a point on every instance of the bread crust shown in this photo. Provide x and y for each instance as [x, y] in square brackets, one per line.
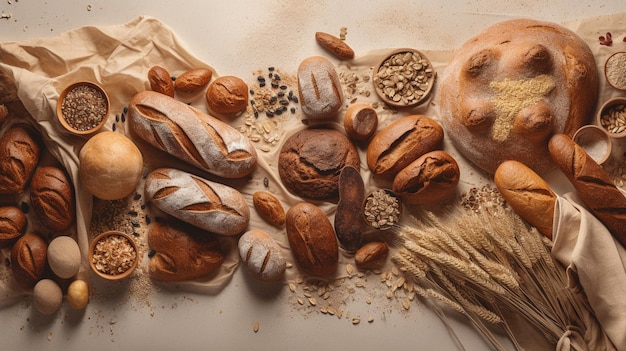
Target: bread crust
[19, 155]
[52, 198]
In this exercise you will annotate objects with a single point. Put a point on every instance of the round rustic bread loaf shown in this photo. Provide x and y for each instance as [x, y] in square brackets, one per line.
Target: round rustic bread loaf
[511, 87]
[311, 160]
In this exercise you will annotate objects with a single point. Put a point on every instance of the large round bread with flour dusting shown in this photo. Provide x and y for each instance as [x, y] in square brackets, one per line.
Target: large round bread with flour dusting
[507, 90]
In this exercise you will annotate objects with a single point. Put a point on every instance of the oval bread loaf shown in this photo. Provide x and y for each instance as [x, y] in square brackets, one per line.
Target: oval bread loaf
[269, 207]
[191, 135]
[193, 80]
[262, 256]
[312, 239]
[52, 198]
[19, 155]
[431, 178]
[12, 224]
[402, 142]
[161, 81]
[28, 259]
[319, 87]
[208, 205]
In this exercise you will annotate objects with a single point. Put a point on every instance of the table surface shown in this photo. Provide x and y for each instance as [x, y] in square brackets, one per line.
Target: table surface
[236, 37]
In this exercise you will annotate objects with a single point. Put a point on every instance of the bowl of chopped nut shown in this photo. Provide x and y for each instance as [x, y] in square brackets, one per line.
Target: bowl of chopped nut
[113, 255]
[612, 117]
[82, 108]
[404, 78]
[382, 209]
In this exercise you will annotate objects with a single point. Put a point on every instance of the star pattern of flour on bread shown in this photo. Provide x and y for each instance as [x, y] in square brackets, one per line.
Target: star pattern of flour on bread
[511, 96]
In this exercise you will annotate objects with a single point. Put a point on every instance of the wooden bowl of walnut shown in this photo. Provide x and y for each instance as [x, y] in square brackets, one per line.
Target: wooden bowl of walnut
[82, 108]
[404, 78]
[113, 255]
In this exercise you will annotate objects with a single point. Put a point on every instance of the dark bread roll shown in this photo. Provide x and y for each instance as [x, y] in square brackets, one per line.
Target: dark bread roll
[593, 184]
[311, 160]
[182, 252]
[528, 194]
[432, 178]
[402, 142]
[19, 154]
[227, 95]
[28, 260]
[349, 223]
[52, 198]
[12, 225]
[312, 239]
[507, 90]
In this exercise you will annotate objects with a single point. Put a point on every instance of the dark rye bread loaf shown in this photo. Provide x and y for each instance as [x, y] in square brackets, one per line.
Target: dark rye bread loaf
[594, 186]
[19, 154]
[52, 198]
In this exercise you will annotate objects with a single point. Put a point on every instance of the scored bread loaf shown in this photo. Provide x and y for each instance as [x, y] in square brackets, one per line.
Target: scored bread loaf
[191, 135]
[528, 194]
[319, 88]
[19, 155]
[208, 205]
[594, 186]
[52, 198]
[262, 255]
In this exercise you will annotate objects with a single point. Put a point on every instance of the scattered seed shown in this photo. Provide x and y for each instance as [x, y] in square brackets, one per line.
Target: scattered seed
[255, 326]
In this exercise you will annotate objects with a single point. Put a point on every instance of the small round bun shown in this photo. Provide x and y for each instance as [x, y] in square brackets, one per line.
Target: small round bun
[64, 256]
[110, 166]
[227, 95]
[360, 121]
[311, 160]
[47, 296]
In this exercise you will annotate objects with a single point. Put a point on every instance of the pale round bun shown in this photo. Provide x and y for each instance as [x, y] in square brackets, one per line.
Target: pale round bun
[110, 166]
[506, 91]
[64, 256]
[47, 296]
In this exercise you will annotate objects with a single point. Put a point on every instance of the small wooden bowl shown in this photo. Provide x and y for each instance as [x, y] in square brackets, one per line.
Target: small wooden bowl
[374, 209]
[616, 79]
[424, 77]
[94, 126]
[611, 124]
[121, 243]
[595, 141]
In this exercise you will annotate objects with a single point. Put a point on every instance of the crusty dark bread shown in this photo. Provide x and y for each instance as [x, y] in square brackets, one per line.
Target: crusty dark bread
[19, 155]
[12, 224]
[191, 135]
[182, 252]
[594, 186]
[28, 259]
[350, 225]
[527, 194]
[52, 198]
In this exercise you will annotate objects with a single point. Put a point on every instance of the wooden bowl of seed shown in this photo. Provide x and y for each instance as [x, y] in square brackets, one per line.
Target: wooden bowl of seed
[404, 78]
[82, 108]
[615, 70]
[612, 117]
[382, 209]
[113, 255]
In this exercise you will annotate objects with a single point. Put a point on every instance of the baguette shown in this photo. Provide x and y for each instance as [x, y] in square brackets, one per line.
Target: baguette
[191, 135]
[208, 205]
[527, 194]
[594, 186]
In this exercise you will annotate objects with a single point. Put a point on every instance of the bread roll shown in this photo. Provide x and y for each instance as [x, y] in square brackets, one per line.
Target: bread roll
[319, 88]
[227, 95]
[19, 154]
[430, 179]
[52, 198]
[47, 296]
[190, 135]
[349, 223]
[262, 256]
[161, 81]
[64, 256]
[12, 225]
[371, 255]
[593, 184]
[208, 205]
[527, 194]
[312, 239]
[193, 81]
[334, 45]
[269, 208]
[182, 252]
[401, 143]
[509, 88]
[360, 121]
[310, 162]
[28, 260]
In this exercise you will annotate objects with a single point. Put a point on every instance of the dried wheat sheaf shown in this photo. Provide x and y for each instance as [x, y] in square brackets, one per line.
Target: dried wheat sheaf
[481, 263]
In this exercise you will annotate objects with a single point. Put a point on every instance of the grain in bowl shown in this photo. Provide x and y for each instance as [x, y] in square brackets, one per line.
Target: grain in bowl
[82, 108]
[113, 255]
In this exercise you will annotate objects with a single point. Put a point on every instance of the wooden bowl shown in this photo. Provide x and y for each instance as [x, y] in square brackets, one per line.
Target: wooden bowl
[83, 93]
[595, 141]
[612, 117]
[404, 78]
[120, 246]
[615, 70]
[375, 209]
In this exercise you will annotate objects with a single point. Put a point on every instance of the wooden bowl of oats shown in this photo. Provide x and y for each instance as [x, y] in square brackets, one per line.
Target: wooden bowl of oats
[382, 209]
[404, 78]
[82, 108]
[113, 255]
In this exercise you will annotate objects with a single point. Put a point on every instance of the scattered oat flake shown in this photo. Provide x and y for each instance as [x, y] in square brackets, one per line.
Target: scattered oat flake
[356, 320]
[406, 304]
[370, 319]
[5, 16]
[255, 326]
[50, 336]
